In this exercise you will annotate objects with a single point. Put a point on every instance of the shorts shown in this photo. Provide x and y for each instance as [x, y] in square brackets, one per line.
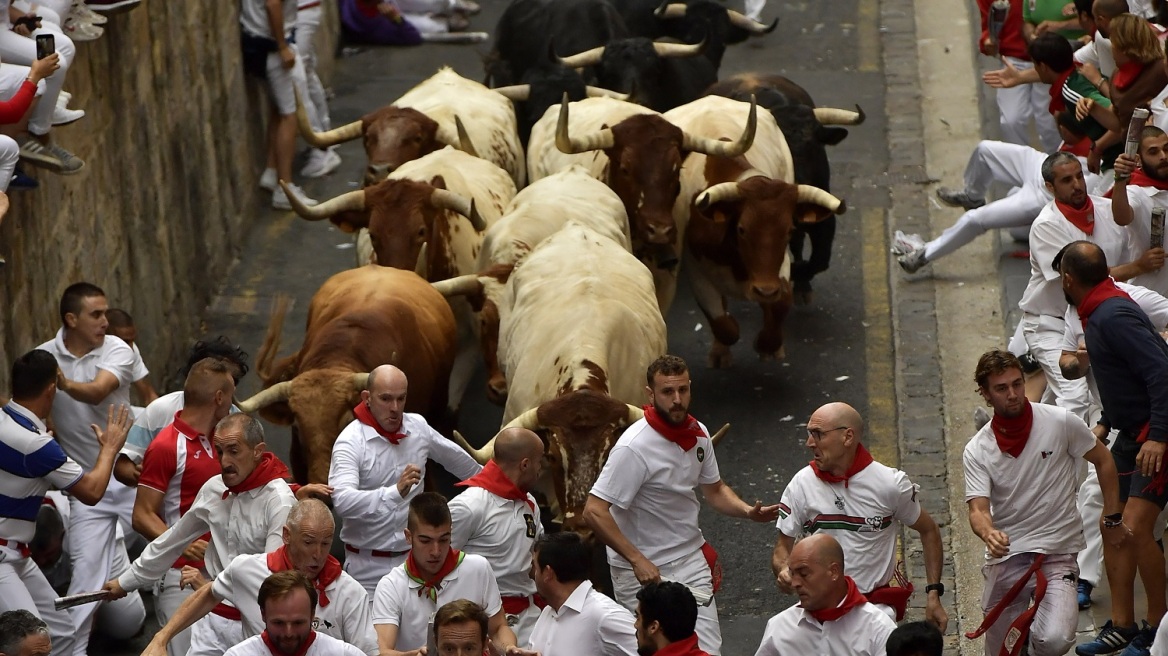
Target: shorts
[1132, 483]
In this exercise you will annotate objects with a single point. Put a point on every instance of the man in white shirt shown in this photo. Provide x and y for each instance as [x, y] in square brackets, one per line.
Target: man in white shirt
[1147, 188]
[244, 509]
[96, 371]
[862, 503]
[577, 618]
[432, 575]
[287, 602]
[643, 505]
[378, 461]
[32, 462]
[498, 519]
[1021, 477]
[343, 607]
[460, 629]
[832, 617]
[666, 616]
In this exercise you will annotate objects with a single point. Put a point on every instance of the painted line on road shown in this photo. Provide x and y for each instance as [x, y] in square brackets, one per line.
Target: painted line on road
[868, 36]
[881, 435]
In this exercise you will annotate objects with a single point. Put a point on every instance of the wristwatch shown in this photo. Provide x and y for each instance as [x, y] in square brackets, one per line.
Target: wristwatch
[939, 587]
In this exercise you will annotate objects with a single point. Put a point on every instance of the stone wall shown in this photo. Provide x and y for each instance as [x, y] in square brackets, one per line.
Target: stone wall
[173, 141]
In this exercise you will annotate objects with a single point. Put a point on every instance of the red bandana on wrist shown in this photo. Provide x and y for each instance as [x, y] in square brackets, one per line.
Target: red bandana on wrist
[493, 480]
[684, 647]
[1013, 432]
[1126, 73]
[299, 652]
[1057, 104]
[862, 460]
[685, 436]
[431, 585]
[1141, 179]
[278, 561]
[268, 469]
[1099, 293]
[853, 599]
[1083, 218]
[363, 415]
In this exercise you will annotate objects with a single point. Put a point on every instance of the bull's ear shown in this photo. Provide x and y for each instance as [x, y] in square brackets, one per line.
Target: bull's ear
[808, 213]
[351, 221]
[830, 135]
[278, 413]
[438, 182]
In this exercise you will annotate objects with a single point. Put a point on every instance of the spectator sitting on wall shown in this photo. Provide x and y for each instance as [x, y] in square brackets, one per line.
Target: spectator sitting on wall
[20, 85]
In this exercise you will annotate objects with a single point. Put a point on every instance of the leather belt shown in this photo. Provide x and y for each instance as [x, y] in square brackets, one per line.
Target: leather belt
[376, 553]
[229, 612]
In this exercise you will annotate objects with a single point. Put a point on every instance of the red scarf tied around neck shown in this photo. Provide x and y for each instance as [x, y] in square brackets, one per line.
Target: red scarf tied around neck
[430, 586]
[1013, 432]
[299, 652]
[1141, 179]
[1057, 104]
[685, 436]
[268, 469]
[1099, 293]
[1082, 218]
[493, 480]
[365, 416]
[1126, 73]
[684, 647]
[853, 599]
[279, 561]
[862, 460]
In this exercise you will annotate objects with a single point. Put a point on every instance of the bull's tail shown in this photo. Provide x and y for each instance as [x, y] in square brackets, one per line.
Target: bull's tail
[271, 343]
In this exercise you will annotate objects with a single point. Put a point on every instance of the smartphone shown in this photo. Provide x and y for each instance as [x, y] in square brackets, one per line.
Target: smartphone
[45, 45]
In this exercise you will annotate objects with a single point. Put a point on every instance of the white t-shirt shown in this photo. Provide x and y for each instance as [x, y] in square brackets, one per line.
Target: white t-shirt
[71, 418]
[1049, 233]
[587, 623]
[364, 474]
[31, 462]
[1142, 200]
[140, 369]
[1098, 53]
[501, 530]
[397, 600]
[346, 617]
[650, 483]
[864, 516]
[862, 632]
[253, 17]
[322, 645]
[1032, 497]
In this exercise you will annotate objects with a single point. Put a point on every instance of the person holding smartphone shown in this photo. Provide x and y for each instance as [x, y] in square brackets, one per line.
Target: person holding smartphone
[25, 81]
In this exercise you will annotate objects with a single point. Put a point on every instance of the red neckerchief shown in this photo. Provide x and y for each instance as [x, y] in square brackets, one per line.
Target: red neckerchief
[1057, 104]
[685, 436]
[684, 647]
[1126, 73]
[1141, 179]
[1080, 148]
[853, 599]
[363, 415]
[1013, 432]
[862, 460]
[278, 561]
[299, 652]
[493, 480]
[1082, 218]
[431, 585]
[268, 469]
[1099, 293]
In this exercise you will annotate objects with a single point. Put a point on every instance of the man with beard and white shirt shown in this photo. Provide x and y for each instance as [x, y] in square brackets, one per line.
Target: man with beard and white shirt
[643, 505]
[666, 615]
[287, 602]
[1147, 188]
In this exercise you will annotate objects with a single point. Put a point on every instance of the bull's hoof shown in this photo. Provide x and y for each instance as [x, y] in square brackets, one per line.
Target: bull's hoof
[774, 356]
[770, 347]
[725, 329]
[803, 292]
[720, 356]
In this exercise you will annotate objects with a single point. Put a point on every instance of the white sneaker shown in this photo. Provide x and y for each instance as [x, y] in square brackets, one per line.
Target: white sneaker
[80, 9]
[903, 244]
[64, 97]
[79, 30]
[280, 199]
[321, 162]
[65, 116]
[269, 180]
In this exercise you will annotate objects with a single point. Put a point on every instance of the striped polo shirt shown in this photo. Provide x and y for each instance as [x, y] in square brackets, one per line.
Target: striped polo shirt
[31, 463]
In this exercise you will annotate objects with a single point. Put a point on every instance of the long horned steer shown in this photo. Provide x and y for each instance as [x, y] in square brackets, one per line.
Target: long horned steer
[738, 215]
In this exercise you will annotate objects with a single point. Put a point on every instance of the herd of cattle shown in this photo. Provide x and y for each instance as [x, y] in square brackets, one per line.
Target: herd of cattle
[556, 264]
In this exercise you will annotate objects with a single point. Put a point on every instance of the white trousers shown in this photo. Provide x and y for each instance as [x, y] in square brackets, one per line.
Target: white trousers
[307, 25]
[281, 82]
[23, 587]
[98, 555]
[1053, 630]
[168, 596]
[368, 569]
[213, 635]
[1022, 104]
[9, 157]
[16, 49]
[48, 11]
[692, 570]
[1044, 337]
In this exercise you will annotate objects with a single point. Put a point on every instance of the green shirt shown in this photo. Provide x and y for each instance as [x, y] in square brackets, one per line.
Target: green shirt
[1037, 11]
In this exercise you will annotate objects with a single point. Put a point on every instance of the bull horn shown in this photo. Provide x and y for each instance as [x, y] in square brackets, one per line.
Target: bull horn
[361, 380]
[725, 192]
[464, 142]
[582, 59]
[515, 92]
[635, 414]
[448, 200]
[422, 268]
[812, 194]
[833, 116]
[528, 420]
[726, 148]
[327, 138]
[669, 9]
[274, 394]
[459, 285]
[719, 435]
[668, 50]
[600, 140]
[351, 200]
[482, 455]
[742, 22]
[601, 92]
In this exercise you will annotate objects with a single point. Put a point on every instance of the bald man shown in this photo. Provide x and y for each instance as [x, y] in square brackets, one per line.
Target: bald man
[378, 462]
[497, 518]
[844, 493]
[832, 616]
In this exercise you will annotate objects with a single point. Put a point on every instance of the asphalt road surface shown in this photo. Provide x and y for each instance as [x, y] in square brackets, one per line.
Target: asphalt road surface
[832, 49]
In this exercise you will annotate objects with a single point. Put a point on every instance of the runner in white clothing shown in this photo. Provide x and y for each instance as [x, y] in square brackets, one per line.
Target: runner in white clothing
[1147, 189]
[287, 601]
[378, 462]
[862, 504]
[498, 519]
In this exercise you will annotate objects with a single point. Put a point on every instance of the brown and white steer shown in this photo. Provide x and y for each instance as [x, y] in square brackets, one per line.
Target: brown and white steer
[739, 214]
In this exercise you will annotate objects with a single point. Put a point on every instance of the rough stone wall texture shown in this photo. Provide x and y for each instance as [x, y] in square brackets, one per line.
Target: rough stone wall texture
[173, 141]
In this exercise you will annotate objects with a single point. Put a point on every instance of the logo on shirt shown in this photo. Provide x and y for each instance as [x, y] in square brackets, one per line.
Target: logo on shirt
[317, 622]
[1046, 453]
[530, 525]
[701, 454]
[839, 503]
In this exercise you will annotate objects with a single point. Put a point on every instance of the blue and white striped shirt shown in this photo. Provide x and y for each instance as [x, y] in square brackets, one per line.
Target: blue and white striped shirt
[31, 463]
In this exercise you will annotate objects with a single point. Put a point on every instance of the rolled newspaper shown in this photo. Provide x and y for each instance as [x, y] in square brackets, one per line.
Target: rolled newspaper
[999, 9]
[61, 603]
[1157, 227]
[701, 596]
[1132, 145]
